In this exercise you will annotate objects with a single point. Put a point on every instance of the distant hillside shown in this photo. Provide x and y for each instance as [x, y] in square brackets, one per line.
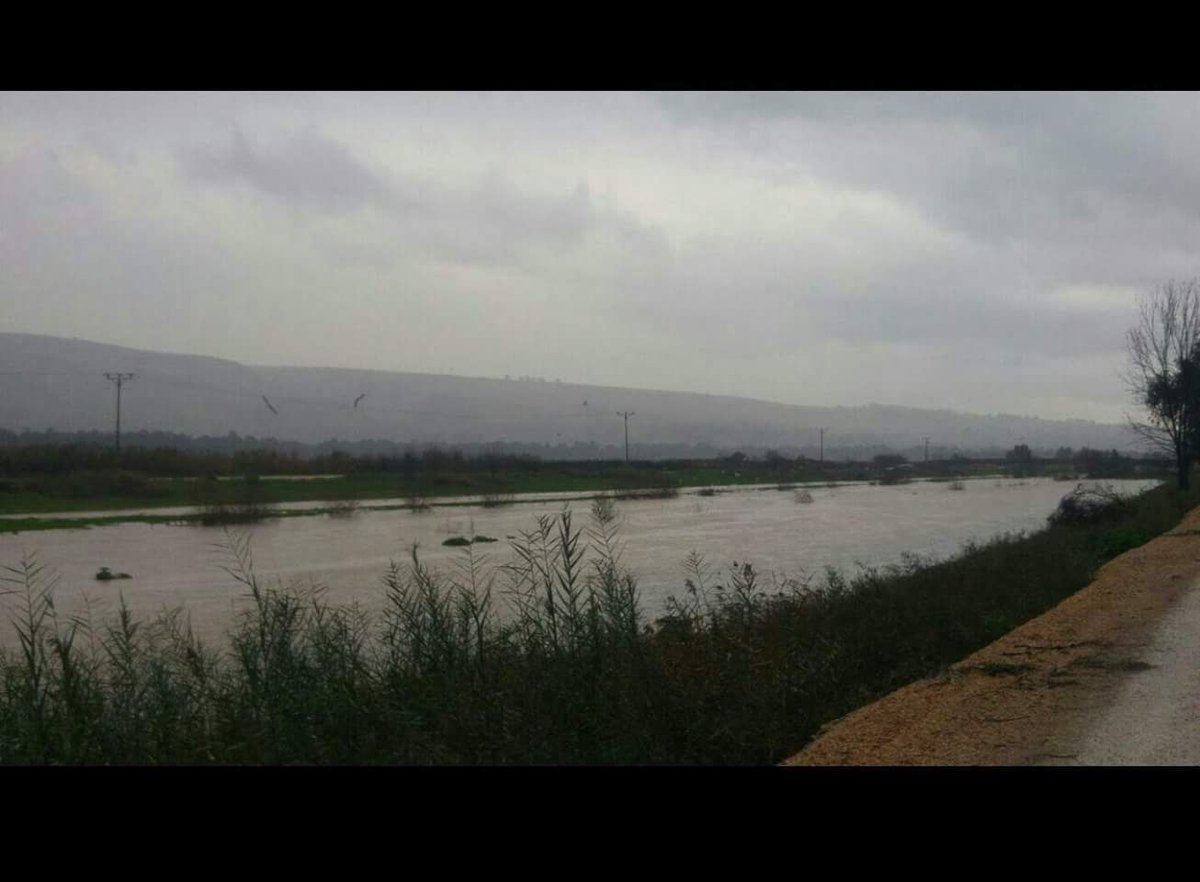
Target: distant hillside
[55, 383]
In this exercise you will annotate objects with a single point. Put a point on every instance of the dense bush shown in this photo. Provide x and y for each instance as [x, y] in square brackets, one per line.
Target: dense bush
[1089, 505]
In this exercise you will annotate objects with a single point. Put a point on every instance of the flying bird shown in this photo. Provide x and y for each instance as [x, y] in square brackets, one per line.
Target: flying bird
[270, 405]
[359, 398]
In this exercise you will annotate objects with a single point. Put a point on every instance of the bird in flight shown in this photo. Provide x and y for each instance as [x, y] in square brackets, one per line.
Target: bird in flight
[270, 405]
[359, 398]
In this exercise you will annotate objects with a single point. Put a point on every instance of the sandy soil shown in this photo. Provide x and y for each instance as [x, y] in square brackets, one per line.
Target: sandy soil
[1108, 676]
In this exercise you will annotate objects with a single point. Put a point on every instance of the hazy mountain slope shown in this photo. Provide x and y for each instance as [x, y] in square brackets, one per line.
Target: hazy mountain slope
[50, 382]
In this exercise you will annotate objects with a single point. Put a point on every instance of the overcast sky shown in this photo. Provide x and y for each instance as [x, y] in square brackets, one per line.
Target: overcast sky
[979, 252]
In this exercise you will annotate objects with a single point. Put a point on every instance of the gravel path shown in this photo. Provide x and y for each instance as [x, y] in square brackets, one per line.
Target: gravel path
[1155, 719]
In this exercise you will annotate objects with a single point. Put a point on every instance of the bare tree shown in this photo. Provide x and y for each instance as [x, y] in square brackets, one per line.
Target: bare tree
[1164, 371]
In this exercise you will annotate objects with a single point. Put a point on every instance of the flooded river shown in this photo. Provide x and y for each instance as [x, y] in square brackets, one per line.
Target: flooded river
[181, 566]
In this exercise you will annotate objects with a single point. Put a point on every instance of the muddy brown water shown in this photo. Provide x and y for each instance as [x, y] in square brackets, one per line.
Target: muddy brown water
[842, 527]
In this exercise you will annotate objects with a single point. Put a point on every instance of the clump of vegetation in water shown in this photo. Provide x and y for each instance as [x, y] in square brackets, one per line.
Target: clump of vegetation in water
[664, 492]
[803, 497]
[547, 658]
[1089, 505]
[463, 541]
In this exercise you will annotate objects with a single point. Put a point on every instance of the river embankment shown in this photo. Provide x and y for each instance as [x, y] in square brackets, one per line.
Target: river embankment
[1045, 692]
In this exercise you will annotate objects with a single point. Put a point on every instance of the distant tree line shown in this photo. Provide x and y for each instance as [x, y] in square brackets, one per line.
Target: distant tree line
[171, 453]
[233, 443]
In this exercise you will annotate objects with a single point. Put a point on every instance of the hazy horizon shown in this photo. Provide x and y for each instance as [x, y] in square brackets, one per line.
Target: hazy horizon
[856, 405]
[979, 253]
[63, 384]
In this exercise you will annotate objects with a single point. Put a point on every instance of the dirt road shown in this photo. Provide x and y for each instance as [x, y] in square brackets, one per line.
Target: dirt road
[1109, 676]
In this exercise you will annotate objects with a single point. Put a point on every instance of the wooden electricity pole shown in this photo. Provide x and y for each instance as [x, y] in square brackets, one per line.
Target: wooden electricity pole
[627, 414]
[119, 379]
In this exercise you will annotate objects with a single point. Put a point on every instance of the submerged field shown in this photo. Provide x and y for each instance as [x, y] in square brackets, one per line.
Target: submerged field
[785, 533]
[551, 659]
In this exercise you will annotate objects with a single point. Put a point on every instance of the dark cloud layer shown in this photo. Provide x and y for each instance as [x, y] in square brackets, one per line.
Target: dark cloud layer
[305, 169]
[486, 221]
[1074, 170]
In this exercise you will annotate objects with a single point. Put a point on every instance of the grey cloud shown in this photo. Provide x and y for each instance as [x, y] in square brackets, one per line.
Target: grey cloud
[73, 264]
[790, 294]
[997, 323]
[489, 222]
[1073, 170]
[36, 188]
[779, 299]
[566, 218]
[306, 168]
[495, 223]
[990, 110]
[852, 106]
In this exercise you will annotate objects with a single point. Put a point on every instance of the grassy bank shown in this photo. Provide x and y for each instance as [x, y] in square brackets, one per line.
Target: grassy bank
[62, 480]
[100, 492]
[35, 496]
[546, 660]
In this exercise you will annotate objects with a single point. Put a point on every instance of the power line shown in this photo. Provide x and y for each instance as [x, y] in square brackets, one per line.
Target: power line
[303, 400]
[528, 413]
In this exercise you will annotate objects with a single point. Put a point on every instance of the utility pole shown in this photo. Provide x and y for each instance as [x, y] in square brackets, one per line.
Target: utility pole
[821, 448]
[927, 450]
[627, 414]
[119, 379]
